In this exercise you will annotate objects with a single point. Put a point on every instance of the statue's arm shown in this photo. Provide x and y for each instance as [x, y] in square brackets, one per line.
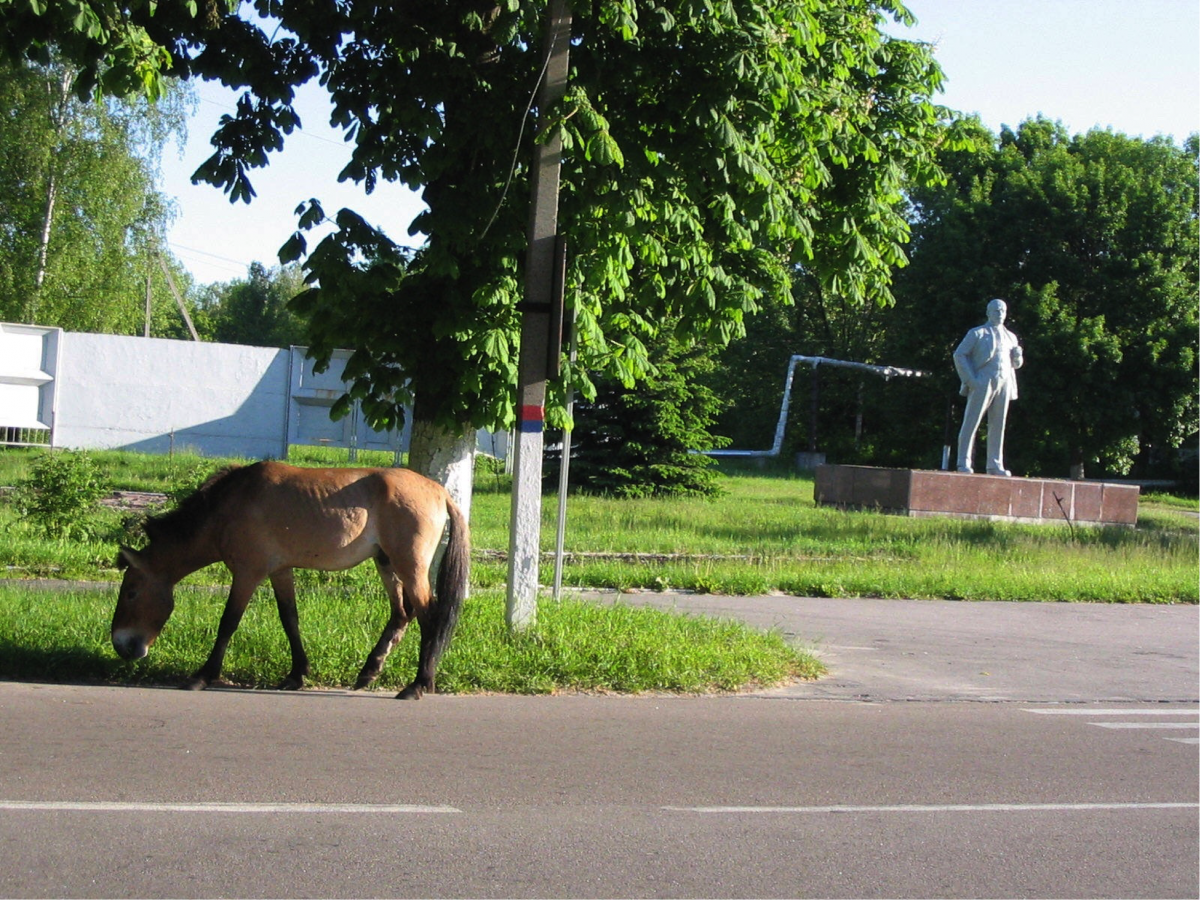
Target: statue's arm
[962, 360]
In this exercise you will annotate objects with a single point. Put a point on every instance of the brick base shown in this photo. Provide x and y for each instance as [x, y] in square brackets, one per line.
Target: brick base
[923, 492]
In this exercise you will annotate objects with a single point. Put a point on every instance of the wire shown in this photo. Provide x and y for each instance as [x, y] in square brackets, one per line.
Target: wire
[517, 150]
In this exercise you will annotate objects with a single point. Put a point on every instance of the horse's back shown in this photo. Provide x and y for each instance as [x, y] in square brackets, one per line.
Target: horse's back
[331, 518]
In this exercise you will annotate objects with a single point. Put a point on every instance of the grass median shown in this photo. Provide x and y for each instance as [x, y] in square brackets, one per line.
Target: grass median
[62, 635]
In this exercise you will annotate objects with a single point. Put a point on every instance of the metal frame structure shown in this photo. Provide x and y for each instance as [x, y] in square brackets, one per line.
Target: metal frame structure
[885, 372]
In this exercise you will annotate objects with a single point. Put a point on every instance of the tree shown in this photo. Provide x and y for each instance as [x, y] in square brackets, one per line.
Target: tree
[709, 147]
[1094, 242]
[254, 310]
[699, 141]
[105, 40]
[641, 442]
[81, 224]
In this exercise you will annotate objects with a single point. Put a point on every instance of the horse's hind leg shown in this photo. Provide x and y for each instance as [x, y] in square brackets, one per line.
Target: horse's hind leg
[240, 593]
[423, 683]
[393, 631]
[284, 586]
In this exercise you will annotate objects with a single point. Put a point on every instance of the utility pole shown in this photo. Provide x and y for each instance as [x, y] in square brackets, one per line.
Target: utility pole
[524, 550]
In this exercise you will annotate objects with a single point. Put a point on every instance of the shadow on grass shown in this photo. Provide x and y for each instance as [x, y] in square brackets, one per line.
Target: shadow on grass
[81, 665]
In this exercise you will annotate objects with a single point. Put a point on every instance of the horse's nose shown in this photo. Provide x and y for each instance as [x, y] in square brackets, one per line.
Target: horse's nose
[129, 644]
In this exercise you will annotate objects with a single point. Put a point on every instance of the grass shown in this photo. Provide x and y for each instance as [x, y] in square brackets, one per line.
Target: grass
[63, 635]
[765, 534]
[575, 646]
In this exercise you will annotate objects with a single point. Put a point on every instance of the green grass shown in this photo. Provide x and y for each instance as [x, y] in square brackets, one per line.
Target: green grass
[575, 646]
[765, 534]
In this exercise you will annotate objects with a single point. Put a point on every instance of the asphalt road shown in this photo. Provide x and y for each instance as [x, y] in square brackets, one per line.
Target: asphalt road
[1053, 790]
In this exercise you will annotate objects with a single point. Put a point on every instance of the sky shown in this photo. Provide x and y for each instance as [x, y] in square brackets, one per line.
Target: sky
[1129, 65]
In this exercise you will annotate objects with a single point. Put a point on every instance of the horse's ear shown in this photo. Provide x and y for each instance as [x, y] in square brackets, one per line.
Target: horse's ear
[128, 558]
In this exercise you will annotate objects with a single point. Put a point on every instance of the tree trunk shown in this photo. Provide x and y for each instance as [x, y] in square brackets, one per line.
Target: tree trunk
[448, 457]
[58, 116]
[1077, 464]
[44, 244]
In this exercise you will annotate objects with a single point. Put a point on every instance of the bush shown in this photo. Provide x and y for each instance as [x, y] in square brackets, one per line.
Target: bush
[642, 441]
[62, 493]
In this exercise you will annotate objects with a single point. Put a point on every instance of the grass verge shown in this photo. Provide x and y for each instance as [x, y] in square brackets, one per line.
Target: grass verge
[575, 646]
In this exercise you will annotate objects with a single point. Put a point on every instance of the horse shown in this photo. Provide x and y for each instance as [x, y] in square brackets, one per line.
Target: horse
[266, 519]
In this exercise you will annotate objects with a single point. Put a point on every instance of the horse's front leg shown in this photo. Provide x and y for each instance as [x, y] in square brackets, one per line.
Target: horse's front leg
[239, 596]
[284, 586]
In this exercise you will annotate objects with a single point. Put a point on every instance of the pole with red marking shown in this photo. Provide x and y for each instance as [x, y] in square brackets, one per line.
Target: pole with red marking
[536, 342]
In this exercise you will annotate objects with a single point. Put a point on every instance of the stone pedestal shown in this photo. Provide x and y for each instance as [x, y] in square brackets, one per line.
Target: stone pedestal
[922, 492]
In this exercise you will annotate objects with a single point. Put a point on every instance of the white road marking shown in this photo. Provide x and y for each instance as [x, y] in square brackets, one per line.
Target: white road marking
[306, 808]
[936, 808]
[1131, 713]
[1145, 724]
[1114, 712]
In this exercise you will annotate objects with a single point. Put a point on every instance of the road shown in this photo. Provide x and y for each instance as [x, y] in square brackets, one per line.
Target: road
[136, 792]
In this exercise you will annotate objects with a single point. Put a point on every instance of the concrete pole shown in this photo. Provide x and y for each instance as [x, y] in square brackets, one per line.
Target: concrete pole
[526, 519]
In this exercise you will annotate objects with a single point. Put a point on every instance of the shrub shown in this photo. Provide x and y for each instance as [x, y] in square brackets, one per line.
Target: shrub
[61, 493]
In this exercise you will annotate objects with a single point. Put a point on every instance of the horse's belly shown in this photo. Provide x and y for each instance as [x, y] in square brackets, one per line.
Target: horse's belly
[332, 546]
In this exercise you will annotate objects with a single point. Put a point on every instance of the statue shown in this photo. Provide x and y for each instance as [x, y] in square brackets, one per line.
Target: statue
[987, 360]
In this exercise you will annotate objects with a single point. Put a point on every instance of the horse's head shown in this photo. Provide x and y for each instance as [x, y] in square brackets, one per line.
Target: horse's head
[143, 605]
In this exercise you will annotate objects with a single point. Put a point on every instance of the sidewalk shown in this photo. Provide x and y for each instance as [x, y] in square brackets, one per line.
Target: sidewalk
[883, 650]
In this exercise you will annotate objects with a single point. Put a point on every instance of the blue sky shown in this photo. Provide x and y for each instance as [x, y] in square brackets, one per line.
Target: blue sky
[1129, 65]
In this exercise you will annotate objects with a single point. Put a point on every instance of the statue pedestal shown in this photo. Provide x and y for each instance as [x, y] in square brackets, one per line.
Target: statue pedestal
[924, 492]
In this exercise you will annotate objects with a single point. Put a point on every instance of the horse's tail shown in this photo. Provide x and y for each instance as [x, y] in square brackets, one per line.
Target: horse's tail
[453, 580]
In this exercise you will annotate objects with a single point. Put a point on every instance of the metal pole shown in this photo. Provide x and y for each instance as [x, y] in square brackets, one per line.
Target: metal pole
[525, 522]
[564, 481]
[814, 405]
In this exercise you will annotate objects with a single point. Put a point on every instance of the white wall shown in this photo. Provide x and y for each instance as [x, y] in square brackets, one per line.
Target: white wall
[105, 391]
[158, 395]
[29, 357]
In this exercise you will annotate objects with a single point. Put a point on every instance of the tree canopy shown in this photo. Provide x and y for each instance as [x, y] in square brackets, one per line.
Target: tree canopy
[82, 225]
[254, 310]
[1094, 242]
[710, 148]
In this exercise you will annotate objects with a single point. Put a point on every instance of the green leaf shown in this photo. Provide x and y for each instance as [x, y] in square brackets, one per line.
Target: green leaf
[295, 247]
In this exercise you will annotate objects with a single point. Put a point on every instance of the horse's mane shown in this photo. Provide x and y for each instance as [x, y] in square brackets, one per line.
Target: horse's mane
[192, 512]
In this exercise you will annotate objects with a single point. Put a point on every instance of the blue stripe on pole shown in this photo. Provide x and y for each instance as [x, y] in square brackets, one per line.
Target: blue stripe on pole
[531, 419]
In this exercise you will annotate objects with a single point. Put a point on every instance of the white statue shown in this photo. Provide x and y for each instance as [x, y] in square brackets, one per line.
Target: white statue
[987, 360]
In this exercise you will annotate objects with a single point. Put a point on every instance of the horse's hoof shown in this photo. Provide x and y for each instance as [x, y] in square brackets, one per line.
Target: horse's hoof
[291, 684]
[362, 683]
[412, 692]
[195, 684]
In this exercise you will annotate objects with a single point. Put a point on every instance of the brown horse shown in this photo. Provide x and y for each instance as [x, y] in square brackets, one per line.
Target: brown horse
[266, 519]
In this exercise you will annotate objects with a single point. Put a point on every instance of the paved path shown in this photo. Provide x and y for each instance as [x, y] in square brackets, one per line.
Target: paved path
[951, 650]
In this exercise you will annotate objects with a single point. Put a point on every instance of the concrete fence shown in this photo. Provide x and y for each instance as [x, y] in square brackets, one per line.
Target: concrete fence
[103, 391]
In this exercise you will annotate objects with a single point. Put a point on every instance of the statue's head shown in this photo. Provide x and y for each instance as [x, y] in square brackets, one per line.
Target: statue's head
[997, 310]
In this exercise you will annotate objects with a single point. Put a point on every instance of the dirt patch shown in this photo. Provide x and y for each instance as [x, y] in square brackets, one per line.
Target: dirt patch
[134, 501]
